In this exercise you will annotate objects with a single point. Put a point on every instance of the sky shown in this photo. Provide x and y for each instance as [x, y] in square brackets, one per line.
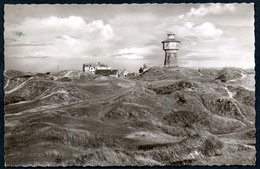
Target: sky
[44, 37]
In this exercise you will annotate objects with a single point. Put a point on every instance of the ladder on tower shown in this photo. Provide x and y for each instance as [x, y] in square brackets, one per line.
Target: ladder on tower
[122, 72]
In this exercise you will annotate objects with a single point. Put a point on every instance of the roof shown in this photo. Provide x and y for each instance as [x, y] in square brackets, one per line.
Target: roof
[92, 64]
[106, 72]
[95, 64]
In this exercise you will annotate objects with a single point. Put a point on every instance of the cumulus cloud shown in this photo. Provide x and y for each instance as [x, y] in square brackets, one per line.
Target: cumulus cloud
[99, 26]
[211, 9]
[190, 29]
[74, 26]
[71, 21]
[62, 36]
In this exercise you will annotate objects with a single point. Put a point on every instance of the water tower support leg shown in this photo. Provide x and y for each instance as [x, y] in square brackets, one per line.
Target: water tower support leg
[167, 60]
[175, 60]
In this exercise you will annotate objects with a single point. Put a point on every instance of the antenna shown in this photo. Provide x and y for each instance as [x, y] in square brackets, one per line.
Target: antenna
[57, 68]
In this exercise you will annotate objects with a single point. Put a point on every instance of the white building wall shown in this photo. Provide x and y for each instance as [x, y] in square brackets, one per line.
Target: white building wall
[103, 68]
[89, 69]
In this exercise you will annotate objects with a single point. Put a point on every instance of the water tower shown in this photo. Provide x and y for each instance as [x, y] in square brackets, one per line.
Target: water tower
[170, 46]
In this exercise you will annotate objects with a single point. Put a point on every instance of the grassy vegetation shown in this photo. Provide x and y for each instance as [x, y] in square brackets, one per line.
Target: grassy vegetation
[165, 116]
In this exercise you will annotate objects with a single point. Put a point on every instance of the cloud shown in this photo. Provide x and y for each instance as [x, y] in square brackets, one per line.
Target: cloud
[74, 26]
[134, 53]
[136, 29]
[219, 63]
[22, 44]
[10, 40]
[124, 35]
[65, 37]
[215, 9]
[206, 30]
[32, 57]
[99, 26]
[71, 21]
[224, 51]
[130, 56]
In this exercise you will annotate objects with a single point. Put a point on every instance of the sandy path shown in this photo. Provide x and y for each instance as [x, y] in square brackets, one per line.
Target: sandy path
[7, 83]
[18, 87]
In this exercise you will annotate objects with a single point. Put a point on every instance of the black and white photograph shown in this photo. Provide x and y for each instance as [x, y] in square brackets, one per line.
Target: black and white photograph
[129, 85]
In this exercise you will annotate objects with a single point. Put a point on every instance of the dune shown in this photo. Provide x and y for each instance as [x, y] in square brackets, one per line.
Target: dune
[164, 116]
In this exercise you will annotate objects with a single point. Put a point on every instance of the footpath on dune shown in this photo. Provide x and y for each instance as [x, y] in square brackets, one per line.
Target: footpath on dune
[164, 116]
